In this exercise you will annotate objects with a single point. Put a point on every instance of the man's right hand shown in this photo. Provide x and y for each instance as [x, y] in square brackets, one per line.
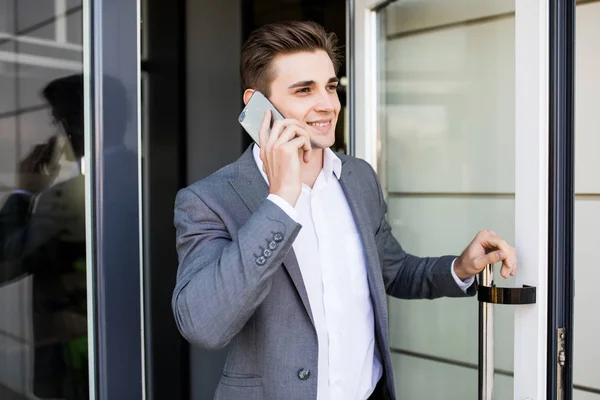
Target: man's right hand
[36, 173]
[283, 149]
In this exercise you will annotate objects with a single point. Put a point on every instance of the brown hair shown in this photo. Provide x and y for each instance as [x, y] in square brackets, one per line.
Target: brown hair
[269, 41]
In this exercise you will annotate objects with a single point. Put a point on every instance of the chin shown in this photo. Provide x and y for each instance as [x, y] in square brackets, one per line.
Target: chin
[322, 142]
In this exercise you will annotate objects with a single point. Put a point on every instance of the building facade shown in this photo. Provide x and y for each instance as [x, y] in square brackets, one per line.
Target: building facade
[475, 115]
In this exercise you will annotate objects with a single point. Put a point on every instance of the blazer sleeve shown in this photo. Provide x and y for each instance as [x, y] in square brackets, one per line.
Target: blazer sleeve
[410, 277]
[221, 281]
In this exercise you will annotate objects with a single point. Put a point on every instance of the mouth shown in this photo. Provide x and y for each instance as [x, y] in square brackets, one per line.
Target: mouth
[322, 125]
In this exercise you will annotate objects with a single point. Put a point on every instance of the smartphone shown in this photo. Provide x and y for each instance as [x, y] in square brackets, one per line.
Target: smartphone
[252, 115]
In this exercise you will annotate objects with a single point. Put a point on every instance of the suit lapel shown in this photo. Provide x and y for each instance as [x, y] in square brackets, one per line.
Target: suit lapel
[253, 190]
[355, 197]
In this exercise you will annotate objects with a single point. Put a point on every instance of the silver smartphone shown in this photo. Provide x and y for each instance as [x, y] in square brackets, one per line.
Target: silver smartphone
[252, 115]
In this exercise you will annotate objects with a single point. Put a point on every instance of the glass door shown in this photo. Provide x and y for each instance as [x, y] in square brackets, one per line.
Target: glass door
[446, 153]
[452, 110]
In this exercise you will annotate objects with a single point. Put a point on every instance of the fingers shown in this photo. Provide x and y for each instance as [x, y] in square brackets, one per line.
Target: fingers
[299, 142]
[502, 252]
[263, 133]
[283, 132]
[293, 132]
[489, 258]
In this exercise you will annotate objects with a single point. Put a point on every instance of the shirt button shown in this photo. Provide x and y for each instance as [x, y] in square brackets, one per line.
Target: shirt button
[261, 260]
[267, 253]
[304, 374]
[278, 237]
[273, 245]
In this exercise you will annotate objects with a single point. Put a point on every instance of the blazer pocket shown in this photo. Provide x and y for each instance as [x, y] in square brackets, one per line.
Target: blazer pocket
[241, 381]
[232, 388]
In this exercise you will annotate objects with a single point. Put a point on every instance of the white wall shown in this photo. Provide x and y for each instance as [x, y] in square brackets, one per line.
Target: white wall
[448, 151]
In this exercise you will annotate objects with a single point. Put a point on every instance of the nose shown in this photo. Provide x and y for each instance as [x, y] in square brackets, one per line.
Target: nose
[325, 102]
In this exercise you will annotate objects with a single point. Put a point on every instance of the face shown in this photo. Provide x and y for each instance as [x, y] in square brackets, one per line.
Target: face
[304, 89]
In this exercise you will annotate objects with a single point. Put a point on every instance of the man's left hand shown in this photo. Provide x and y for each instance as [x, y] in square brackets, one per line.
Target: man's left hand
[486, 248]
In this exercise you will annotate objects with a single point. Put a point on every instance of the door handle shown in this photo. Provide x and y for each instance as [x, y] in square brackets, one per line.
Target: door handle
[489, 294]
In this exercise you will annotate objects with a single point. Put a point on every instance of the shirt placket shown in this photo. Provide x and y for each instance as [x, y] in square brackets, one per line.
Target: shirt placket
[332, 303]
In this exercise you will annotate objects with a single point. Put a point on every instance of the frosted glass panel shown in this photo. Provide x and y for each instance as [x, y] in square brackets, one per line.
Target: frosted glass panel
[587, 207]
[424, 14]
[446, 159]
[445, 225]
[448, 327]
[587, 277]
[418, 378]
[587, 90]
[450, 110]
[581, 395]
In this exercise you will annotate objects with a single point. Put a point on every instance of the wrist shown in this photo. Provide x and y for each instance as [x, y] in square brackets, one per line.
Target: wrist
[290, 196]
[459, 271]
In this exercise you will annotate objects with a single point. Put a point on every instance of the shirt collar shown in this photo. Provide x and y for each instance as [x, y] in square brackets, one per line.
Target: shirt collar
[331, 163]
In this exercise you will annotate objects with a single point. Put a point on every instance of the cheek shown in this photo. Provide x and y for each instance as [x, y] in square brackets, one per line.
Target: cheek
[296, 110]
[336, 104]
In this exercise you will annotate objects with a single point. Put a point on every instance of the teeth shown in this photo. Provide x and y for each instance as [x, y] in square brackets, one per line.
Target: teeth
[319, 124]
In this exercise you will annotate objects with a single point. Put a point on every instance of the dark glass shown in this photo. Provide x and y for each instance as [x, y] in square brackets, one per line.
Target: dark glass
[43, 294]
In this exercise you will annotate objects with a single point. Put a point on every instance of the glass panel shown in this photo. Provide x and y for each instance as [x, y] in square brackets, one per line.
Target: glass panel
[446, 159]
[587, 202]
[419, 378]
[43, 316]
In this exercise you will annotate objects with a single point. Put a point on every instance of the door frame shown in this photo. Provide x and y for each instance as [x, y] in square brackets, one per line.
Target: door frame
[535, 115]
[111, 37]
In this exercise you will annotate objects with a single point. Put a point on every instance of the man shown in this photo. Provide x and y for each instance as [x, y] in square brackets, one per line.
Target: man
[286, 254]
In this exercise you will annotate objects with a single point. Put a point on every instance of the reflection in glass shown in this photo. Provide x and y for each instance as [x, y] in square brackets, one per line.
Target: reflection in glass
[43, 316]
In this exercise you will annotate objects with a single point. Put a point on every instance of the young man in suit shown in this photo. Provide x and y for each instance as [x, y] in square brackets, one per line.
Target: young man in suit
[286, 254]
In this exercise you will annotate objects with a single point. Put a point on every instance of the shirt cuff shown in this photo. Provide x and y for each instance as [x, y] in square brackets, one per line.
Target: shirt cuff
[463, 285]
[284, 205]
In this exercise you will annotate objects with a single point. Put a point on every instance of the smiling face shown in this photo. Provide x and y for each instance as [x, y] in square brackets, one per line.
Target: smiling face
[304, 88]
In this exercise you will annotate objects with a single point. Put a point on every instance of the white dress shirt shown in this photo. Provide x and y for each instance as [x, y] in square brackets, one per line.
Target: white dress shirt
[330, 256]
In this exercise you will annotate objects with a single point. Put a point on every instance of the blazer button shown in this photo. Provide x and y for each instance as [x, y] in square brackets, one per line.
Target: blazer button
[278, 237]
[304, 374]
[267, 253]
[273, 245]
[261, 260]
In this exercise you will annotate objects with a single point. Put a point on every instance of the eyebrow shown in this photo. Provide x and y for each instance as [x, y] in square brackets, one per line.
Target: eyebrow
[311, 83]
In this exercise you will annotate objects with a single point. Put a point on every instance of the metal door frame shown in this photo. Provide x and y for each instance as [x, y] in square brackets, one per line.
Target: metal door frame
[111, 31]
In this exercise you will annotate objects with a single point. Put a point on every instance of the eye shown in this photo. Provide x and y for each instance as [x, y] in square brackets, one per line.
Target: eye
[303, 90]
[333, 87]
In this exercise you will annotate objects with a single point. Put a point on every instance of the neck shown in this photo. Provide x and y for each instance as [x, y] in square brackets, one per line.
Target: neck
[310, 171]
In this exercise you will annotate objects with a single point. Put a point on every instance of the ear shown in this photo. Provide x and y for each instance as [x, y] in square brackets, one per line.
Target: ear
[247, 94]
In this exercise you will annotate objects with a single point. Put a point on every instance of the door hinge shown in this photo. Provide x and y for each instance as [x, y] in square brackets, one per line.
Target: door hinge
[561, 360]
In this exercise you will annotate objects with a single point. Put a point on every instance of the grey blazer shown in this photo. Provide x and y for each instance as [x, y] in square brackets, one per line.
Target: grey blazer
[229, 292]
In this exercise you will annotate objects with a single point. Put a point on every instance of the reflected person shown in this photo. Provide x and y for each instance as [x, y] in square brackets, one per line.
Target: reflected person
[42, 234]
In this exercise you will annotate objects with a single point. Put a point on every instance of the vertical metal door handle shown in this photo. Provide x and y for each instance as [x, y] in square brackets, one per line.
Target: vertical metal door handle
[486, 338]
[488, 295]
